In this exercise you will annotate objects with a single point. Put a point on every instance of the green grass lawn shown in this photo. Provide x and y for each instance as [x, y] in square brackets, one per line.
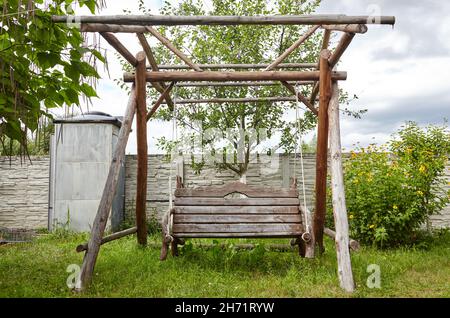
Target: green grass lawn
[124, 269]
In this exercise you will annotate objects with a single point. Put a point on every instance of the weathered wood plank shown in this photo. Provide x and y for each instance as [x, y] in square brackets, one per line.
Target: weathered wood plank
[238, 235]
[236, 210]
[237, 228]
[237, 187]
[237, 218]
[238, 202]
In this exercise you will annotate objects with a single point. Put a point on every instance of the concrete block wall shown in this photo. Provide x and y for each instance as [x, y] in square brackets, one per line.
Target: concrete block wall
[24, 192]
[24, 186]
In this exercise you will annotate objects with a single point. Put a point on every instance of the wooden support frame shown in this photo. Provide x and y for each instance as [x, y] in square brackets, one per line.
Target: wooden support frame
[142, 151]
[328, 112]
[322, 149]
[101, 218]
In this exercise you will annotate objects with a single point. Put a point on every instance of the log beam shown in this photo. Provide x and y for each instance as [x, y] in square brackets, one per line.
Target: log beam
[291, 49]
[240, 66]
[272, 99]
[146, 20]
[160, 100]
[142, 151]
[334, 59]
[109, 191]
[160, 87]
[353, 244]
[338, 196]
[119, 47]
[300, 97]
[173, 48]
[238, 84]
[322, 148]
[109, 238]
[179, 76]
[352, 28]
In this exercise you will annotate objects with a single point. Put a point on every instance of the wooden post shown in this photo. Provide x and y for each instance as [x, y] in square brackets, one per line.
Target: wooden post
[142, 155]
[322, 145]
[338, 193]
[98, 227]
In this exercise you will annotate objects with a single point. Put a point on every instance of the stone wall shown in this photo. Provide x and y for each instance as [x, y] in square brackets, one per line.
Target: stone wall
[24, 192]
[24, 185]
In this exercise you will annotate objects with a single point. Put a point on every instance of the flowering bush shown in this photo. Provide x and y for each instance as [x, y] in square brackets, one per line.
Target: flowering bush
[391, 190]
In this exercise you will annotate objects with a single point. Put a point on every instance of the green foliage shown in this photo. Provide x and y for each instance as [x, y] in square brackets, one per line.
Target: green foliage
[392, 190]
[43, 65]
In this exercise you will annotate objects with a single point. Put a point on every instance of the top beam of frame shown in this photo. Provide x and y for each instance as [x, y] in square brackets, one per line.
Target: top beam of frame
[154, 20]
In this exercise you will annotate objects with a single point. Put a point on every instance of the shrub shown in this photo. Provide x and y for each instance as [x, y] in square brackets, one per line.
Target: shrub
[391, 190]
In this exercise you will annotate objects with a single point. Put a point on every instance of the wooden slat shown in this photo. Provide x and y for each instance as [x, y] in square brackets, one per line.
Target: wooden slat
[236, 218]
[237, 210]
[237, 228]
[239, 187]
[239, 202]
[237, 235]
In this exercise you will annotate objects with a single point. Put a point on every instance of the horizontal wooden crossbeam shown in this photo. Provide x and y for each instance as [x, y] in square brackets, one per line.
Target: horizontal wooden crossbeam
[232, 76]
[226, 20]
[239, 66]
[239, 84]
[235, 100]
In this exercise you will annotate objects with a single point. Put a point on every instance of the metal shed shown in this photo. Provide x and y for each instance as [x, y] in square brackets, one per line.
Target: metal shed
[81, 152]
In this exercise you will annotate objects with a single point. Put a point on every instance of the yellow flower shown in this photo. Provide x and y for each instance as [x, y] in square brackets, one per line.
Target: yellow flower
[371, 226]
[395, 207]
[422, 169]
[419, 193]
[350, 216]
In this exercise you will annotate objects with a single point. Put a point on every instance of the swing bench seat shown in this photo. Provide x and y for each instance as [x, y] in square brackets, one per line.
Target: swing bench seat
[235, 210]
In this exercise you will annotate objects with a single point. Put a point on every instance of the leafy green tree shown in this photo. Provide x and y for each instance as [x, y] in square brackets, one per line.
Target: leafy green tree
[43, 65]
[237, 44]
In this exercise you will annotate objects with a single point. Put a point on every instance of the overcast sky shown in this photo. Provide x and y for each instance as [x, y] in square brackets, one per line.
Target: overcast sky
[398, 74]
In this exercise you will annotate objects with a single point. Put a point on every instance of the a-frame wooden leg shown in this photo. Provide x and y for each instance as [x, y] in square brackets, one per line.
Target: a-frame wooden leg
[142, 151]
[322, 148]
[338, 194]
[98, 227]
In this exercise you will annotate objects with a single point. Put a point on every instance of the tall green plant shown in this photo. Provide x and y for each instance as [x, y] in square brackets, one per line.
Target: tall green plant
[391, 190]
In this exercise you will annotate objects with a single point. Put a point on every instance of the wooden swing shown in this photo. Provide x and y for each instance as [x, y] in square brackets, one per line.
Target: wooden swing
[237, 210]
[210, 212]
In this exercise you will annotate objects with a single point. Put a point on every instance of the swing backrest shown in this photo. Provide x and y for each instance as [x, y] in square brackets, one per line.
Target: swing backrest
[216, 212]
